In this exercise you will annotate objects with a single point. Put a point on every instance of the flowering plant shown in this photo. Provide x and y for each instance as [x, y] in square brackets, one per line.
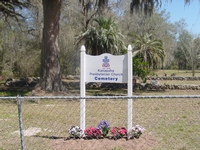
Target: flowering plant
[137, 131]
[76, 131]
[92, 132]
[104, 127]
[118, 132]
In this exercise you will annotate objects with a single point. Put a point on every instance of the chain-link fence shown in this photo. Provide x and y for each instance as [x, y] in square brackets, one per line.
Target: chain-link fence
[171, 122]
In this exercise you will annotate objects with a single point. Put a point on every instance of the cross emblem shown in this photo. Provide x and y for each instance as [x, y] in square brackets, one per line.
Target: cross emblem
[106, 62]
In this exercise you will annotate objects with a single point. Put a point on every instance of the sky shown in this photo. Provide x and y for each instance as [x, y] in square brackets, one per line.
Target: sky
[191, 13]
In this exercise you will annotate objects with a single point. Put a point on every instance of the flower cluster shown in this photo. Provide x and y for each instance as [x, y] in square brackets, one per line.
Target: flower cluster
[104, 127]
[92, 132]
[76, 131]
[137, 131]
[118, 132]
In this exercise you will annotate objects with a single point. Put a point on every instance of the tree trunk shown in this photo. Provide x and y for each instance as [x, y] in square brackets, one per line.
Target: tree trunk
[193, 67]
[50, 77]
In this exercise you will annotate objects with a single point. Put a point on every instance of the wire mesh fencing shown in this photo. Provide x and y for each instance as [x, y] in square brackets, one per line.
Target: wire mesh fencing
[9, 124]
[170, 122]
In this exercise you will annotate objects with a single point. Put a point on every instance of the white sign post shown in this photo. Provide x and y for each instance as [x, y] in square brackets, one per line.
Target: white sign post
[82, 90]
[130, 87]
[106, 68]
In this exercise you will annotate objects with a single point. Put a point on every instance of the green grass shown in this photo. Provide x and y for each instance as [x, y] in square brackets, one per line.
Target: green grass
[173, 122]
[117, 148]
[14, 93]
[182, 73]
[179, 82]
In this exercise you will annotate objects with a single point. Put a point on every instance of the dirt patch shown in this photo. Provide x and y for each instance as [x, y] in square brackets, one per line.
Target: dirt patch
[30, 131]
[145, 142]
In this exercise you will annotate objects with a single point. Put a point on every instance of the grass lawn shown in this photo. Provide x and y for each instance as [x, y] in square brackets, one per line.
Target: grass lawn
[173, 122]
[181, 73]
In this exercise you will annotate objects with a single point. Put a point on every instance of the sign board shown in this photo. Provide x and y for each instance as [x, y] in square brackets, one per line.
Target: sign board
[106, 68]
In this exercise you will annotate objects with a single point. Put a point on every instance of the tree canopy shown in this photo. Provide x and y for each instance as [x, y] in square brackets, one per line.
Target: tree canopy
[103, 37]
[8, 8]
[149, 49]
[72, 17]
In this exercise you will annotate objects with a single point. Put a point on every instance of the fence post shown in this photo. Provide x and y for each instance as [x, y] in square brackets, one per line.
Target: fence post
[20, 122]
[82, 89]
[130, 86]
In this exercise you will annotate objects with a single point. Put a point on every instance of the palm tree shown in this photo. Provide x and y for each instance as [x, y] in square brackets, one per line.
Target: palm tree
[103, 37]
[151, 51]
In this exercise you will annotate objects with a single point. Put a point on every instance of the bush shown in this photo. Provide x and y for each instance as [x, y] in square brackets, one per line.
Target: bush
[140, 68]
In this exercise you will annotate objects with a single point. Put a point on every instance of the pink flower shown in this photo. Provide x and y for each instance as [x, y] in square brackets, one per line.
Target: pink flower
[123, 131]
[118, 132]
[92, 132]
[113, 130]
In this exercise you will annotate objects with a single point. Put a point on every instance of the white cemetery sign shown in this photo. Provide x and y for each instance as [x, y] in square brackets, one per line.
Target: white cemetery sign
[106, 68]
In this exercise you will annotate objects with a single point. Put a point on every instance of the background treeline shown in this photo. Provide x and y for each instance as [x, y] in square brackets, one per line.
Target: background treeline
[21, 42]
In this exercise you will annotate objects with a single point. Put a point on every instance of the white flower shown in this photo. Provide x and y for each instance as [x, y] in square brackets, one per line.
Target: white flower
[137, 131]
[76, 131]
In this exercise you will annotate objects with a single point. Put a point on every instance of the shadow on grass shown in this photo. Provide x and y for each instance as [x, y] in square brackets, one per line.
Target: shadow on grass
[15, 91]
[49, 137]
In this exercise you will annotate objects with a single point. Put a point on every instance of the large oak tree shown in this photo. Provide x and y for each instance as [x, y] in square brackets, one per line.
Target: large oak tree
[50, 78]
